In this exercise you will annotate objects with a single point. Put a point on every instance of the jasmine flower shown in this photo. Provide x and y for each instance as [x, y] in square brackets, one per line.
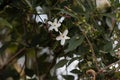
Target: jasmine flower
[62, 37]
[55, 24]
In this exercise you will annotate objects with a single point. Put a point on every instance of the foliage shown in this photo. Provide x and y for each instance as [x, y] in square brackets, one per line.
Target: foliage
[92, 35]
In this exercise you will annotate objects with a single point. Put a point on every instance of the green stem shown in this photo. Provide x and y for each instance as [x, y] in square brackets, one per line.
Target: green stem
[91, 48]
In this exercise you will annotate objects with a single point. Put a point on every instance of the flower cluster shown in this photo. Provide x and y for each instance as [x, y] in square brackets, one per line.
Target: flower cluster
[54, 26]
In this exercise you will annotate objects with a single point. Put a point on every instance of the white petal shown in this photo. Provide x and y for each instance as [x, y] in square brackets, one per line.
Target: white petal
[61, 19]
[40, 18]
[58, 38]
[62, 42]
[56, 29]
[111, 67]
[27, 77]
[34, 76]
[60, 33]
[119, 26]
[21, 61]
[102, 3]
[115, 42]
[51, 28]
[43, 18]
[36, 18]
[39, 9]
[66, 37]
[116, 65]
[58, 25]
[49, 22]
[65, 32]
[55, 20]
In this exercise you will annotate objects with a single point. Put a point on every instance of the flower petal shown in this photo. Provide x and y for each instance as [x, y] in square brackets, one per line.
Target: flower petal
[51, 28]
[56, 29]
[62, 41]
[58, 25]
[119, 26]
[60, 33]
[39, 9]
[61, 19]
[65, 32]
[58, 38]
[66, 37]
[55, 20]
[49, 22]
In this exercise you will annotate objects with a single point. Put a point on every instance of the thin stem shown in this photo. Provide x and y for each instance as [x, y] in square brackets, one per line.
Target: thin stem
[110, 65]
[37, 67]
[29, 4]
[13, 57]
[91, 48]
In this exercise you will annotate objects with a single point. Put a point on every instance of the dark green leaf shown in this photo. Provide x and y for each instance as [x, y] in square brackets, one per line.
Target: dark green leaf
[74, 43]
[61, 63]
[73, 59]
[68, 77]
[76, 71]
[108, 47]
[4, 22]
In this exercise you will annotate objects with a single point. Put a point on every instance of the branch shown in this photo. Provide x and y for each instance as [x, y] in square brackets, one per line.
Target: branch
[91, 48]
[103, 69]
[12, 58]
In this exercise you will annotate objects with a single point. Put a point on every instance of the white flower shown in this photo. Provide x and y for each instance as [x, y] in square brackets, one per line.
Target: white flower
[56, 24]
[62, 37]
[102, 4]
[40, 18]
[39, 9]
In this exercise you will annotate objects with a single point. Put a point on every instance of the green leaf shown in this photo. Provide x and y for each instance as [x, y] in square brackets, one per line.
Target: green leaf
[73, 59]
[81, 5]
[61, 63]
[108, 47]
[76, 71]
[109, 22]
[12, 48]
[74, 43]
[68, 77]
[30, 52]
[4, 22]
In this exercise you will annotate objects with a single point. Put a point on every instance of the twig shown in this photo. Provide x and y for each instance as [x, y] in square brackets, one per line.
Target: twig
[12, 58]
[109, 65]
[91, 48]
